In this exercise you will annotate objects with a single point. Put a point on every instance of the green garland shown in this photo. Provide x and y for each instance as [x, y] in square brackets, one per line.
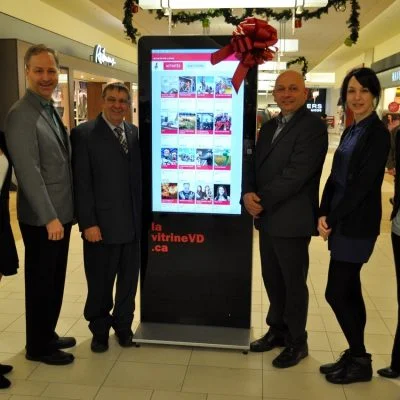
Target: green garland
[187, 17]
[298, 60]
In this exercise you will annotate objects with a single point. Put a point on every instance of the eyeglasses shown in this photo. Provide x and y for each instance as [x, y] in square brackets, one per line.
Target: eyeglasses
[113, 100]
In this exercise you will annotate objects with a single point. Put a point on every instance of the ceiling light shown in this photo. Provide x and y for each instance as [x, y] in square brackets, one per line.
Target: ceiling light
[288, 45]
[191, 4]
[272, 66]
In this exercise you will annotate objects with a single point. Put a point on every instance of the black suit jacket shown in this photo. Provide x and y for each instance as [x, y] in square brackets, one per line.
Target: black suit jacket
[396, 203]
[360, 210]
[8, 251]
[285, 174]
[107, 181]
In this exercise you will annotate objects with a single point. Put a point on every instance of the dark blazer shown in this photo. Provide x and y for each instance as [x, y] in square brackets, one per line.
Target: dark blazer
[360, 210]
[8, 251]
[396, 202]
[285, 174]
[107, 181]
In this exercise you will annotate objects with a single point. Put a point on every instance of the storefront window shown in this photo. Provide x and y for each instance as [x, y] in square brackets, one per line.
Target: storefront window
[61, 97]
[80, 102]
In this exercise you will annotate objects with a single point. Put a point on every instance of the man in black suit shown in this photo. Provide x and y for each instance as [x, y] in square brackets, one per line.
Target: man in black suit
[107, 182]
[281, 192]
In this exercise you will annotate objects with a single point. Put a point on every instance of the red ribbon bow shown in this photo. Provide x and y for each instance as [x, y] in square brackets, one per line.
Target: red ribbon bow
[251, 42]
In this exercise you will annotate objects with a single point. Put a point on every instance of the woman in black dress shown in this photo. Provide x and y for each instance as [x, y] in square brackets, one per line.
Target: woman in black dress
[350, 215]
[8, 251]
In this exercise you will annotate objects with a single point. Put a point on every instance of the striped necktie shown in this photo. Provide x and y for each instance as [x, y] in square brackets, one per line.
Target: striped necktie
[281, 124]
[121, 138]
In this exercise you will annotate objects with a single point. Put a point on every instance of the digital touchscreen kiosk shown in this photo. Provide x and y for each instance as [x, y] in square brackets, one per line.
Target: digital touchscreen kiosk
[197, 127]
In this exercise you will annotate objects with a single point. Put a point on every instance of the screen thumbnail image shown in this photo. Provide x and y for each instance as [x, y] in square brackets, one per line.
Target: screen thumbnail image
[204, 193]
[187, 85]
[169, 122]
[169, 192]
[169, 157]
[187, 121]
[222, 158]
[223, 122]
[169, 86]
[223, 85]
[222, 193]
[204, 158]
[186, 157]
[205, 122]
[205, 86]
[186, 194]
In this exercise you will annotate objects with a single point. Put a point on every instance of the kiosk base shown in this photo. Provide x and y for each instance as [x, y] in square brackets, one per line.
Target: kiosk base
[193, 335]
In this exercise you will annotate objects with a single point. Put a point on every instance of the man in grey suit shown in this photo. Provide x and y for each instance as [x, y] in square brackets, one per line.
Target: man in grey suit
[40, 151]
[281, 192]
[107, 180]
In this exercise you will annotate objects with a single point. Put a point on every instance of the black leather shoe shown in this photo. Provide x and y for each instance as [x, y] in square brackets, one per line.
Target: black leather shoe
[339, 364]
[356, 369]
[63, 342]
[5, 369]
[125, 339]
[58, 357]
[266, 343]
[99, 344]
[388, 373]
[4, 382]
[290, 356]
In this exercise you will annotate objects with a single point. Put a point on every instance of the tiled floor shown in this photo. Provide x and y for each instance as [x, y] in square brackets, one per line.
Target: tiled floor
[181, 373]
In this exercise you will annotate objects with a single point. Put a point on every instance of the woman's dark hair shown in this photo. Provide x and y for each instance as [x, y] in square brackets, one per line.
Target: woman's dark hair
[367, 78]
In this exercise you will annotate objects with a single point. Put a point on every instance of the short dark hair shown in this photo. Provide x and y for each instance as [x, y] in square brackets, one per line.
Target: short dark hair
[36, 49]
[367, 78]
[121, 87]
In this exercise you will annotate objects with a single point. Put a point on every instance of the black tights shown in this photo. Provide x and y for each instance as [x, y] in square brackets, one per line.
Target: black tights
[344, 295]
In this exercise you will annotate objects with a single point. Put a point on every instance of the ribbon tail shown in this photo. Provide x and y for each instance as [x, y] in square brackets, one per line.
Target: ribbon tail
[221, 54]
[239, 76]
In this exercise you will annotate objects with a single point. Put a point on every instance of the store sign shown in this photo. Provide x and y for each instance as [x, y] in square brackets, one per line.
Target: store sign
[393, 107]
[396, 76]
[100, 56]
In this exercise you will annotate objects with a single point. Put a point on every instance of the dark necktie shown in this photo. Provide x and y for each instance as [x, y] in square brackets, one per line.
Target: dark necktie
[52, 114]
[121, 138]
[281, 124]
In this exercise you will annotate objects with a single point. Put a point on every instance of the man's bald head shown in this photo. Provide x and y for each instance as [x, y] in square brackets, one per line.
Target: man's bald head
[290, 92]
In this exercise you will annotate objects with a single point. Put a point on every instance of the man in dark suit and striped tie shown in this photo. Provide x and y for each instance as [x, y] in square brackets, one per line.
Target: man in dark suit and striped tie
[107, 182]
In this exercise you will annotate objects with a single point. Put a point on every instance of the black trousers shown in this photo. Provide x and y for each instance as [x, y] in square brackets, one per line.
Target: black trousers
[396, 346]
[103, 264]
[344, 295]
[284, 263]
[45, 269]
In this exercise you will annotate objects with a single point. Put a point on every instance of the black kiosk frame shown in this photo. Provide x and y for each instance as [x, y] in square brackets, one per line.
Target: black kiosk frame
[196, 268]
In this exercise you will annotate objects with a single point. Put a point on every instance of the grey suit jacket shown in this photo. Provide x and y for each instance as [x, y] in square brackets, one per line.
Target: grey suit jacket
[42, 160]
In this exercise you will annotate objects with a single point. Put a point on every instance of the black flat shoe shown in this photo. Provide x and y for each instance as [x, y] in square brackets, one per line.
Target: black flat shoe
[339, 364]
[4, 382]
[356, 369]
[99, 344]
[63, 342]
[125, 339]
[388, 373]
[290, 356]
[266, 343]
[5, 369]
[57, 357]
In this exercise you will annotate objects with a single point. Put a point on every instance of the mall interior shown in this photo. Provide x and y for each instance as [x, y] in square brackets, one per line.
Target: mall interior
[80, 29]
